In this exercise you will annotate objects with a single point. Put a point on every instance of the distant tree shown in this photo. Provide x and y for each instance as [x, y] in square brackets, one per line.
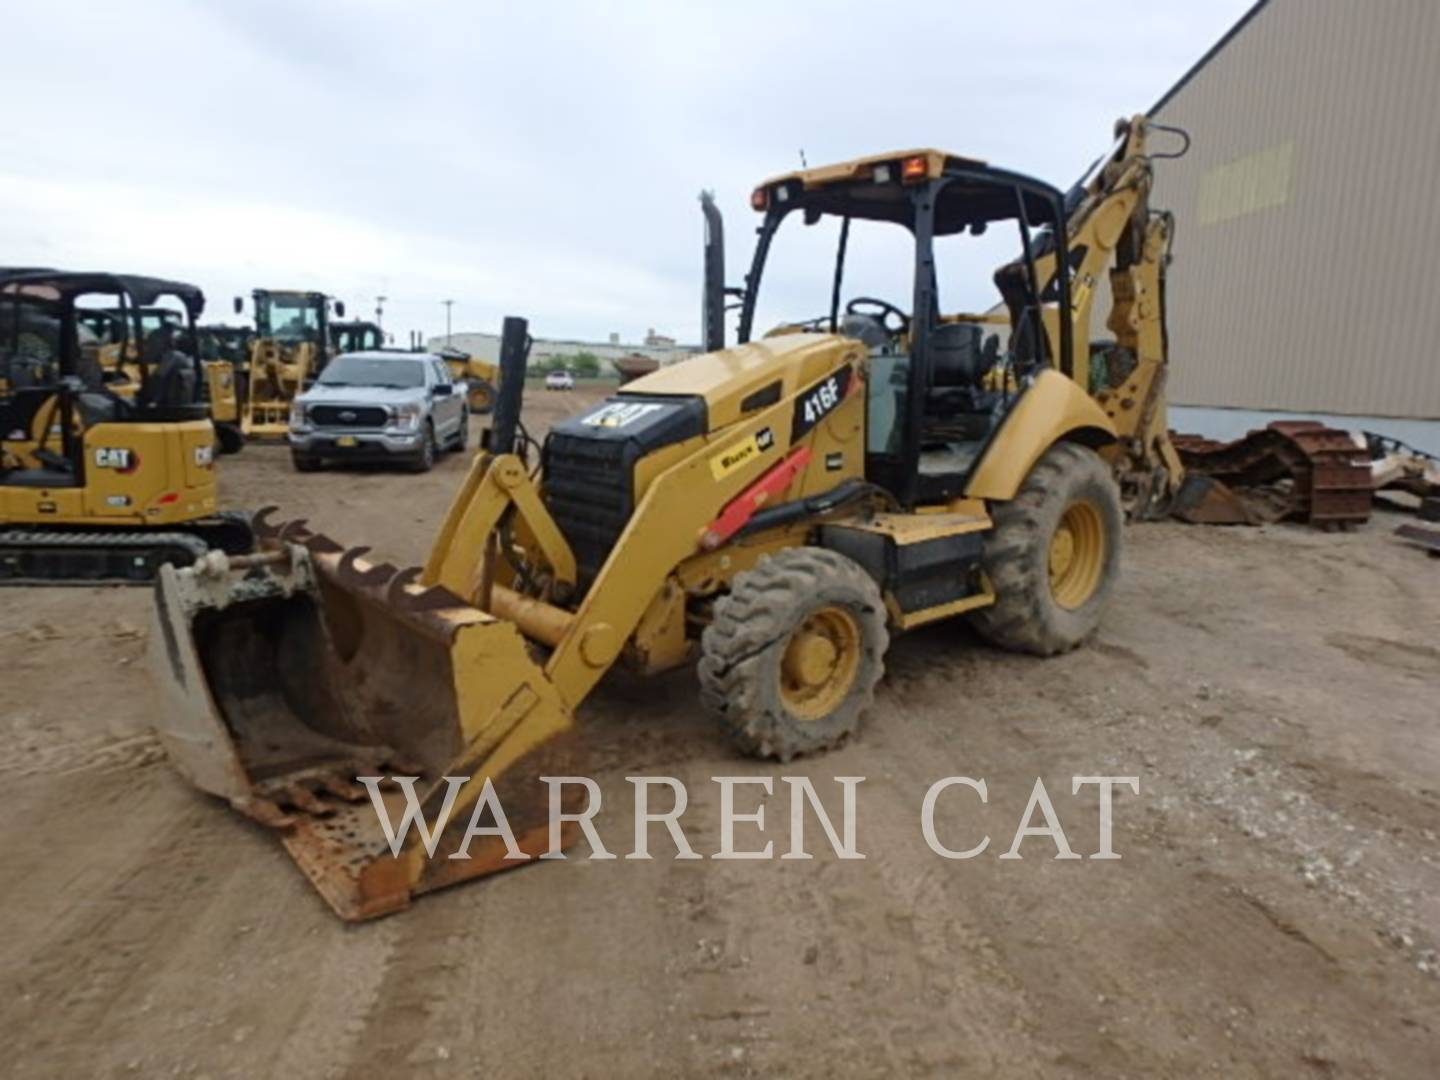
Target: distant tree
[585, 363]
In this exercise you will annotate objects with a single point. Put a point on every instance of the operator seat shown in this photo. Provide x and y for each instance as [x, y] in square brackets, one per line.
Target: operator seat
[866, 329]
[171, 383]
[958, 406]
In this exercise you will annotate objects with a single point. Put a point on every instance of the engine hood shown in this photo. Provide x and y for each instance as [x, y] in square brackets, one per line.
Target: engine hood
[362, 395]
[737, 381]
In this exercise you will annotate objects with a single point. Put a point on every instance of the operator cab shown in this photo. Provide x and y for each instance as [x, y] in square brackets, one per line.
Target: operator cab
[940, 383]
[52, 384]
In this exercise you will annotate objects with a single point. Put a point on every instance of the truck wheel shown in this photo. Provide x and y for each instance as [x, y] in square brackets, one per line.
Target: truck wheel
[304, 462]
[482, 396]
[425, 460]
[1053, 554]
[791, 659]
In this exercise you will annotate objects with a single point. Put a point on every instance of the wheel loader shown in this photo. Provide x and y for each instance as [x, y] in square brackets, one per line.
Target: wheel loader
[480, 378]
[96, 487]
[291, 346]
[778, 509]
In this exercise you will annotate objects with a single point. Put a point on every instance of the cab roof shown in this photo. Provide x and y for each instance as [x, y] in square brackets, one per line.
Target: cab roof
[59, 284]
[863, 168]
[878, 187]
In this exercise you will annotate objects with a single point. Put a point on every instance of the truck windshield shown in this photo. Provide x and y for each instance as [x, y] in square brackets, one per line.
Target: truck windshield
[372, 371]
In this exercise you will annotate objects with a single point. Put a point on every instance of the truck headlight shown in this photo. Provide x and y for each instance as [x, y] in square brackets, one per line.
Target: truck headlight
[407, 417]
[297, 415]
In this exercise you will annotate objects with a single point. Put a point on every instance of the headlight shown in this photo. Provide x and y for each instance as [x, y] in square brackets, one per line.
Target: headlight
[407, 417]
[297, 415]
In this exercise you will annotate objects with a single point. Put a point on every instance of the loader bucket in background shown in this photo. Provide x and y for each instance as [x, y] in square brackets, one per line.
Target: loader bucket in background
[315, 668]
[1203, 500]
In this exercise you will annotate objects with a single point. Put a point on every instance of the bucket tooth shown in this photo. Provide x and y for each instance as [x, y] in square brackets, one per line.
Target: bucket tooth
[264, 811]
[342, 788]
[345, 569]
[320, 544]
[435, 598]
[296, 531]
[395, 593]
[302, 798]
[265, 529]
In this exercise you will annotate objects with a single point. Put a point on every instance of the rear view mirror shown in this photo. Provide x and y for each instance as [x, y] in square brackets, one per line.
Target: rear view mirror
[239, 305]
[340, 308]
[442, 390]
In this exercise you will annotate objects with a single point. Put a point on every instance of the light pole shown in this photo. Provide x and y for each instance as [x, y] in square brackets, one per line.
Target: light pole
[380, 311]
[448, 304]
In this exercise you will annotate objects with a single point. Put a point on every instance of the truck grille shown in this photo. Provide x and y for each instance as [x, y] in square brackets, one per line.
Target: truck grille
[349, 416]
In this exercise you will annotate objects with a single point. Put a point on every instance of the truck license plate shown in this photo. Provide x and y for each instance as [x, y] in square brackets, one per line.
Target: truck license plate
[345, 442]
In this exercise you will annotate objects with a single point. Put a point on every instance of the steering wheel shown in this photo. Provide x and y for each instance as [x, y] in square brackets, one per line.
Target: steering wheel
[885, 310]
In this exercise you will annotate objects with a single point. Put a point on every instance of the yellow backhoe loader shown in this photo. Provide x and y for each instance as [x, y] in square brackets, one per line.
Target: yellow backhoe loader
[94, 486]
[779, 509]
[291, 346]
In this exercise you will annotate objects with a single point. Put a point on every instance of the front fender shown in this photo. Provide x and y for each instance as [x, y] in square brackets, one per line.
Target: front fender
[1052, 408]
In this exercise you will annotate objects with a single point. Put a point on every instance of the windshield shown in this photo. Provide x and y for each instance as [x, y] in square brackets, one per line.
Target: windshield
[288, 318]
[372, 371]
[356, 337]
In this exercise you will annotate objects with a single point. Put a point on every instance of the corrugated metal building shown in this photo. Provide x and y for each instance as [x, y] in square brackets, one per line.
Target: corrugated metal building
[1308, 215]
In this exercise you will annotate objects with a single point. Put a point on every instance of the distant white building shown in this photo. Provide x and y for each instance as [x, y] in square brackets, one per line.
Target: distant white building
[486, 346]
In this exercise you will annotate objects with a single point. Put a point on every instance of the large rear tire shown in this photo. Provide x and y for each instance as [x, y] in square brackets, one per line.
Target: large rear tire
[1053, 555]
[482, 396]
[790, 662]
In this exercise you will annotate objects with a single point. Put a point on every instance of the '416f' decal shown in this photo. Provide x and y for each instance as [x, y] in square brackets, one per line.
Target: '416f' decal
[820, 401]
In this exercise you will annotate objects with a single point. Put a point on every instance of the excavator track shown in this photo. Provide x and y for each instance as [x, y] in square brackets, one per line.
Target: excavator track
[39, 556]
[1292, 470]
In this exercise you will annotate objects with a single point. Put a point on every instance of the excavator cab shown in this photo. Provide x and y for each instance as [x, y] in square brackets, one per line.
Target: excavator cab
[95, 485]
[356, 335]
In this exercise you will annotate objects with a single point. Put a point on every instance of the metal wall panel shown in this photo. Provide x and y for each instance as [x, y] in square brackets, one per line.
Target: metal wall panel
[1308, 213]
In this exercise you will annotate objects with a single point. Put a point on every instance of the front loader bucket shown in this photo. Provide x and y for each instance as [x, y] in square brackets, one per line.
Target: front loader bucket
[292, 673]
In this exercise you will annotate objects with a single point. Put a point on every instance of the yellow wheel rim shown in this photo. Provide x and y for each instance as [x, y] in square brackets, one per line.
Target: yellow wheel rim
[1077, 555]
[820, 662]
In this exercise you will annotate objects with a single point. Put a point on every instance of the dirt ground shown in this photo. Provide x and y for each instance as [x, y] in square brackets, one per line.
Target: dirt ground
[1275, 912]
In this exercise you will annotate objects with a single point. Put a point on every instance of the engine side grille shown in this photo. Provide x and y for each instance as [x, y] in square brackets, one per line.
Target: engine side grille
[589, 491]
[351, 416]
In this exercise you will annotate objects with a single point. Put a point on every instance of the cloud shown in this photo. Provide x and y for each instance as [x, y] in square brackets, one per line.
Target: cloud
[536, 159]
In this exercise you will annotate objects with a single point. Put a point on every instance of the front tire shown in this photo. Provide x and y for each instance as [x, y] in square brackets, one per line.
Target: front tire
[790, 662]
[1053, 554]
[304, 462]
[425, 458]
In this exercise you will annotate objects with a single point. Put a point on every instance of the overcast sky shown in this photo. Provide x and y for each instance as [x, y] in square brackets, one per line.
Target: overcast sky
[540, 159]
